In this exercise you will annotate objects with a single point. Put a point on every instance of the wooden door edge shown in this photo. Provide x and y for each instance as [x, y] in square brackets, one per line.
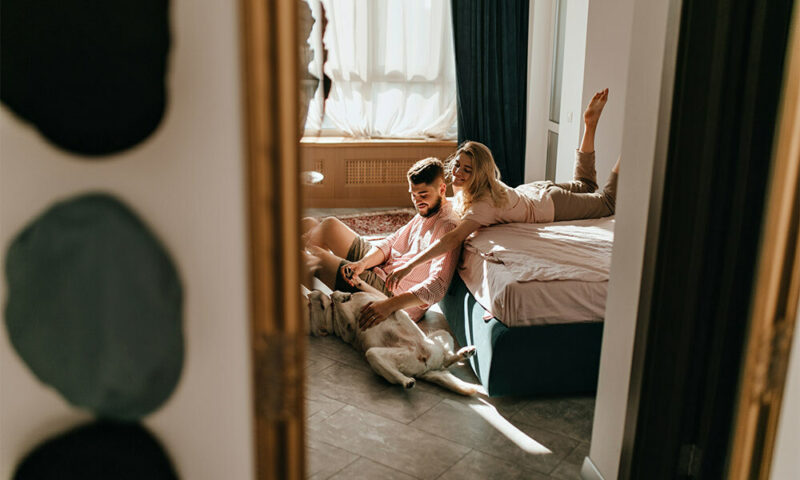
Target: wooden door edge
[775, 299]
[270, 103]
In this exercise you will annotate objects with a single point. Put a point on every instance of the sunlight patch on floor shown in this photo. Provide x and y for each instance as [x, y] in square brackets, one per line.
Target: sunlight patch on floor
[490, 414]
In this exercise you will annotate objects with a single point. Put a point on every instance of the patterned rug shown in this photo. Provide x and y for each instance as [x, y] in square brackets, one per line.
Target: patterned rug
[375, 225]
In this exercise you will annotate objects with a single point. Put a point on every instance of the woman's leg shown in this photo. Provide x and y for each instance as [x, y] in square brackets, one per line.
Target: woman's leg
[585, 176]
[578, 206]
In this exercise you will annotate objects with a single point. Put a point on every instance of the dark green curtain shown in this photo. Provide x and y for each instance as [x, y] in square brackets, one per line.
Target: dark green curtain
[491, 48]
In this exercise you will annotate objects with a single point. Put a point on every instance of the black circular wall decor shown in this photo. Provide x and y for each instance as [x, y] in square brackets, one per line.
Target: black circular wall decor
[94, 307]
[89, 74]
[98, 451]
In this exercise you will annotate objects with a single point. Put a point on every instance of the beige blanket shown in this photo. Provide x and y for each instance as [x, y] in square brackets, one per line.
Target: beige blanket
[577, 250]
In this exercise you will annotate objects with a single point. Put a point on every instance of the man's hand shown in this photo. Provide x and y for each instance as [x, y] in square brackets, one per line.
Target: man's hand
[375, 312]
[351, 272]
[393, 280]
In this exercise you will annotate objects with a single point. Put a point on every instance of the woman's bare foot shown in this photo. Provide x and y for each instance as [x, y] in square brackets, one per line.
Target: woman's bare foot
[595, 108]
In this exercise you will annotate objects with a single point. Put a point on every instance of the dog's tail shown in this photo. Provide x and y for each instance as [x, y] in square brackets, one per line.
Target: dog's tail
[449, 381]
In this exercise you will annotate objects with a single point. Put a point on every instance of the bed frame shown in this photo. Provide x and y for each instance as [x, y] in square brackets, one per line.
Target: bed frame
[524, 361]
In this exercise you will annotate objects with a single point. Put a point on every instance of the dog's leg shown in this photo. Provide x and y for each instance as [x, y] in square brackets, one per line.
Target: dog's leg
[444, 340]
[384, 361]
[461, 355]
[449, 381]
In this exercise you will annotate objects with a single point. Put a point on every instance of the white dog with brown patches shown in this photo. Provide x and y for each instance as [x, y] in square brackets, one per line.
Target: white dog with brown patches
[397, 349]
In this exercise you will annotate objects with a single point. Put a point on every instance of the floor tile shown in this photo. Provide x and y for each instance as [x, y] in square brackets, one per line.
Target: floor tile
[383, 431]
[325, 460]
[368, 391]
[319, 407]
[570, 467]
[435, 320]
[388, 442]
[479, 466]
[316, 362]
[567, 471]
[365, 469]
[577, 455]
[568, 416]
[479, 426]
[334, 348]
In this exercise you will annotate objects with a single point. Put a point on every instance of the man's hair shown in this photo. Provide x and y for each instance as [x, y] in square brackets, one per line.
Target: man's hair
[426, 171]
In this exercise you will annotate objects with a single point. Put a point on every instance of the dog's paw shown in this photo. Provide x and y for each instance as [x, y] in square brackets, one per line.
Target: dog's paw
[409, 384]
[467, 352]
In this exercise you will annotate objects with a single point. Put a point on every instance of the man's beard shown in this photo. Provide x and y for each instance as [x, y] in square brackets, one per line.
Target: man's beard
[433, 209]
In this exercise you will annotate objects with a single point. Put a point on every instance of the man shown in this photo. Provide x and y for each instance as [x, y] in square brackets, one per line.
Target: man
[344, 259]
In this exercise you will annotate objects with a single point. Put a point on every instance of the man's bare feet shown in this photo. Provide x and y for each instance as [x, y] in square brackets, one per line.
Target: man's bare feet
[595, 108]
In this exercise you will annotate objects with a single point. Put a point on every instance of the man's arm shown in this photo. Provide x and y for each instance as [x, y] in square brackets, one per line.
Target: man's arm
[373, 258]
[350, 272]
[377, 254]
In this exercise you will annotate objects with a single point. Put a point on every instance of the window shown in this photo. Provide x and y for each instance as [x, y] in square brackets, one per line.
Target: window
[556, 70]
[390, 68]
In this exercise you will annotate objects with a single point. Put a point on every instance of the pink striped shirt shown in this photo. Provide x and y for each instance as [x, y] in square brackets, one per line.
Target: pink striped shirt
[429, 281]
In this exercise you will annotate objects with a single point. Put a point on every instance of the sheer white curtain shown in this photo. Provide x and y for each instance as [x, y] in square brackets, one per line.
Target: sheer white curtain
[315, 110]
[392, 68]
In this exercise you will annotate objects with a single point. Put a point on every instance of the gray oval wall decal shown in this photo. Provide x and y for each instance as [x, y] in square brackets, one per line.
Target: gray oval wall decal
[89, 74]
[94, 307]
[98, 451]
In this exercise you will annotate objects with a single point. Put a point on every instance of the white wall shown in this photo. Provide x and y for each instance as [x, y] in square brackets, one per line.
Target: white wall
[540, 52]
[647, 102]
[596, 57]
[608, 46]
[572, 80]
[785, 459]
[186, 181]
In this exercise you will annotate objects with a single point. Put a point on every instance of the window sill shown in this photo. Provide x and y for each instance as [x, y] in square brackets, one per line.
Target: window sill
[373, 142]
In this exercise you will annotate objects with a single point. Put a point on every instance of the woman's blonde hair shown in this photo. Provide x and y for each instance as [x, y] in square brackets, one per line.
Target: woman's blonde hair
[484, 181]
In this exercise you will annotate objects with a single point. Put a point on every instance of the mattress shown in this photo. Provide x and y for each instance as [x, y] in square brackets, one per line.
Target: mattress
[540, 274]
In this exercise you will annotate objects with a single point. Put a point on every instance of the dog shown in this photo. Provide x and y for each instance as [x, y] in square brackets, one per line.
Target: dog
[396, 349]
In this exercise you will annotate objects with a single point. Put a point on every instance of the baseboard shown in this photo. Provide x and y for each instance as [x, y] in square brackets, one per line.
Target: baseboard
[589, 471]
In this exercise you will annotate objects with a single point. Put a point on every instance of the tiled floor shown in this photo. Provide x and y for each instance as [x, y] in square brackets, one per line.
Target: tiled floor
[362, 427]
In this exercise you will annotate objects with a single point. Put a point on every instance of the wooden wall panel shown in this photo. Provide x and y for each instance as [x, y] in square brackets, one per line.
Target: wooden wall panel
[363, 173]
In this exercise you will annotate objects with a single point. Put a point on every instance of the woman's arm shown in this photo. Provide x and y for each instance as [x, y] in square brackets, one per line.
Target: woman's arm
[449, 241]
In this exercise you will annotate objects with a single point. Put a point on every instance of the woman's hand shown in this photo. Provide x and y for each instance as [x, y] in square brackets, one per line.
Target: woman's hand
[351, 272]
[394, 278]
[374, 313]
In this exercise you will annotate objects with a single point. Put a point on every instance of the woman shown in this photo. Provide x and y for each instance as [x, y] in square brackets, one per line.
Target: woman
[482, 199]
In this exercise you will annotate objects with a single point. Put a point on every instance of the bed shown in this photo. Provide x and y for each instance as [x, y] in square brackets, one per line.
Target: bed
[531, 298]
